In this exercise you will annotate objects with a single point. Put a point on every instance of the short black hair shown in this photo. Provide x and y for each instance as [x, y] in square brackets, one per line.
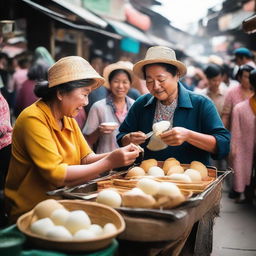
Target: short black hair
[212, 70]
[241, 69]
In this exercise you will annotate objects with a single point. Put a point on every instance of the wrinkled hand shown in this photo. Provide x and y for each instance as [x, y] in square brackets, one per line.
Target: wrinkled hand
[124, 156]
[137, 137]
[176, 136]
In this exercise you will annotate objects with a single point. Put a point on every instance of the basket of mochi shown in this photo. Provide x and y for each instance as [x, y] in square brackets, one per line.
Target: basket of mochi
[71, 225]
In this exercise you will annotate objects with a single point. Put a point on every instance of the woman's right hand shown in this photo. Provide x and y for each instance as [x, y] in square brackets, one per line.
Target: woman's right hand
[124, 156]
[134, 137]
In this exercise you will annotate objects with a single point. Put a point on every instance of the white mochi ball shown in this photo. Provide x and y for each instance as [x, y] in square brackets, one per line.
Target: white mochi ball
[96, 229]
[149, 186]
[109, 197]
[193, 174]
[59, 233]
[180, 177]
[109, 228]
[77, 220]
[84, 234]
[41, 227]
[169, 189]
[59, 216]
[135, 191]
[156, 171]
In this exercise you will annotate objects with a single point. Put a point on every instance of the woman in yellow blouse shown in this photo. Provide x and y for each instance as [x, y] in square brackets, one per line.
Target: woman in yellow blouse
[49, 150]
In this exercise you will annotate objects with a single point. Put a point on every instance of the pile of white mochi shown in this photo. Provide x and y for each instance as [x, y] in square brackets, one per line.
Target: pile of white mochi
[171, 169]
[55, 222]
[148, 193]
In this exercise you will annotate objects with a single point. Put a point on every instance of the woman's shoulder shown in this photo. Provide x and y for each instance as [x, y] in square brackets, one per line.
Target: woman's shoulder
[242, 105]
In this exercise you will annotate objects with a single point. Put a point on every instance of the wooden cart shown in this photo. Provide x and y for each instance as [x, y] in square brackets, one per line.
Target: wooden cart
[185, 230]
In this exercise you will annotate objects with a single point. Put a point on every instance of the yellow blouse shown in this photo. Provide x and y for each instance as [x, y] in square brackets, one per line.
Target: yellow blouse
[41, 152]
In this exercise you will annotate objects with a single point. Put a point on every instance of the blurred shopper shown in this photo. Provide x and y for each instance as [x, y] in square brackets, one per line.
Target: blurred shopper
[37, 72]
[237, 94]
[5, 151]
[41, 53]
[215, 89]
[243, 144]
[113, 108]
[244, 56]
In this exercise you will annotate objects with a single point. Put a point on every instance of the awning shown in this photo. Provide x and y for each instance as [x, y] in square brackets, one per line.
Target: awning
[160, 41]
[127, 30]
[64, 19]
[249, 24]
[82, 13]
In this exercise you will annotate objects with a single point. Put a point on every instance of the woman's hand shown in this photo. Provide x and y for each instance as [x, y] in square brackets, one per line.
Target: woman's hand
[176, 136]
[124, 156]
[134, 137]
[106, 129]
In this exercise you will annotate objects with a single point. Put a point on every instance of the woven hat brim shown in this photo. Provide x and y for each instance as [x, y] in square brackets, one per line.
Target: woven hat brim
[110, 68]
[137, 68]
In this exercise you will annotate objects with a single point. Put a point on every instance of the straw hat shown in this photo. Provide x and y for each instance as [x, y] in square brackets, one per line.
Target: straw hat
[125, 65]
[159, 54]
[73, 68]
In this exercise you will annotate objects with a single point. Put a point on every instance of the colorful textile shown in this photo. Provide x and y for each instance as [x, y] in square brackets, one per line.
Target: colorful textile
[5, 124]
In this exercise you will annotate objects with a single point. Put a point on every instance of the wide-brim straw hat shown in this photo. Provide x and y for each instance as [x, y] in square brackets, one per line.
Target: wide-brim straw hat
[73, 68]
[124, 65]
[159, 54]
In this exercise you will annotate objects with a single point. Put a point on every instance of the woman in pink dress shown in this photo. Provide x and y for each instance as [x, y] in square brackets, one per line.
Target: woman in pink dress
[235, 95]
[243, 143]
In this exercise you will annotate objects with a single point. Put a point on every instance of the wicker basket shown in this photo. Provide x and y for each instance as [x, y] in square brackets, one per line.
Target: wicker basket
[99, 214]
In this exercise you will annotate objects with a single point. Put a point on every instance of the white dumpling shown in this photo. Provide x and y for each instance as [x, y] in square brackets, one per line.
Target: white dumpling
[109, 228]
[41, 227]
[109, 197]
[160, 127]
[77, 220]
[96, 229]
[84, 234]
[148, 186]
[156, 171]
[193, 174]
[169, 189]
[59, 216]
[59, 233]
[180, 177]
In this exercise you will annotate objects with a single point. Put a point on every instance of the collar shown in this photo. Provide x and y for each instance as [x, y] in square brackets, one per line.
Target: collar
[184, 100]
[45, 108]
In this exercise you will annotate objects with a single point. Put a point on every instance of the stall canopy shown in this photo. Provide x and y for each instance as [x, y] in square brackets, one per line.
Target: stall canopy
[95, 23]
[127, 30]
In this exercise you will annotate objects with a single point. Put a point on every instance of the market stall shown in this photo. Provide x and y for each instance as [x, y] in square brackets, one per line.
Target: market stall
[183, 230]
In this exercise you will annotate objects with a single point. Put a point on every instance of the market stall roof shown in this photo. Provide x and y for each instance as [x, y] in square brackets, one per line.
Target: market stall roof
[249, 24]
[127, 30]
[91, 19]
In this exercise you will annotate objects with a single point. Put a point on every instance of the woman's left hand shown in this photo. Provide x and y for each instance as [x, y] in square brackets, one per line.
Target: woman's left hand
[176, 136]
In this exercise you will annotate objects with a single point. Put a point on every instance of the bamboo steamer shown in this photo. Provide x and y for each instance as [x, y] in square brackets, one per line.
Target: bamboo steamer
[98, 213]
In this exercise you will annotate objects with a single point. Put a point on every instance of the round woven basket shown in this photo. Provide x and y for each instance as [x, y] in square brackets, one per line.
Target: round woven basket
[98, 213]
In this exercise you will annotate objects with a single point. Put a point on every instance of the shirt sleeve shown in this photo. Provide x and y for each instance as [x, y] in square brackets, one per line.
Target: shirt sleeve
[93, 120]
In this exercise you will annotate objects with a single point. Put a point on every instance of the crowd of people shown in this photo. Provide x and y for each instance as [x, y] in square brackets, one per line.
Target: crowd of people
[55, 114]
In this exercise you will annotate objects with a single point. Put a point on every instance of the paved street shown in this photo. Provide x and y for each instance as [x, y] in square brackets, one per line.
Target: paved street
[235, 230]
